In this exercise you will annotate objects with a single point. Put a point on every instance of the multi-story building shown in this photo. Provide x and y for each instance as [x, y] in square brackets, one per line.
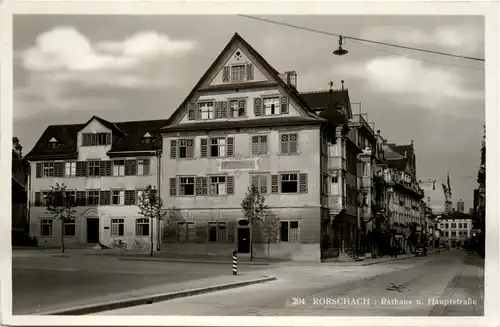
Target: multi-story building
[19, 193]
[461, 206]
[455, 228]
[104, 166]
[244, 123]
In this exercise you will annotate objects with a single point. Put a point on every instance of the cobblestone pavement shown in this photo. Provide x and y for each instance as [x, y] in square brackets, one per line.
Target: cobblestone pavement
[411, 287]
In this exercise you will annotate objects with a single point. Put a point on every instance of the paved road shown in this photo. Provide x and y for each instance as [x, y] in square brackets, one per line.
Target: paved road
[47, 283]
[383, 289]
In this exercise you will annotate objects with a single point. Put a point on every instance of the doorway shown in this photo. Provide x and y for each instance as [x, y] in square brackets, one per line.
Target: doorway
[92, 230]
[243, 240]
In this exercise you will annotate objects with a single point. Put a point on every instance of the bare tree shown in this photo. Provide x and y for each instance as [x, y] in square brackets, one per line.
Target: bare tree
[254, 209]
[270, 228]
[150, 207]
[60, 205]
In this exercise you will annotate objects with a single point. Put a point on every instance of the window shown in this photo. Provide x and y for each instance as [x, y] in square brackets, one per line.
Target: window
[324, 184]
[459, 225]
[186, 232]
[365, 199]
[92, 198]
[261, 182]
[289, 231]
[117, 227]
[71, 197]
[90, 139]
[186, 186]
[70, 227]
[453, 225]
[94, 168]
[289, 183]
[453, 233]
[206, 110]
[46, 228]
[217, 232]
[139, 196]
[218, 147]
[238, 73]
[289, 143]
[446, 226]
[70, 169]
[218, 185]
[236, 109]
[118, 167]
[48, 169]
[118, 197]
[141, 164]
[142, 227]
[335, 180]
[272, 106]
[259, 145]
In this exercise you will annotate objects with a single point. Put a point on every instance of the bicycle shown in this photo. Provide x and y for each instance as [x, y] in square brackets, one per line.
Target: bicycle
[118, 244]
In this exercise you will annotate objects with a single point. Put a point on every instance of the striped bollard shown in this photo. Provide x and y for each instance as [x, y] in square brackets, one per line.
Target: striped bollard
[235, 262]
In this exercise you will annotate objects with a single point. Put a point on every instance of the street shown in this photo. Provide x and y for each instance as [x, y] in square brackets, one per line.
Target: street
[388, 289]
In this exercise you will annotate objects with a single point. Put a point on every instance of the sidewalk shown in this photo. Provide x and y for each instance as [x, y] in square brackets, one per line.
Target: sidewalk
[153, 294]
[370, 261]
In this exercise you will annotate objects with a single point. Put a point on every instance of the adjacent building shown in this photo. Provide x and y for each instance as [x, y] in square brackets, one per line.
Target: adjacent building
[104, 166]
[19, 185]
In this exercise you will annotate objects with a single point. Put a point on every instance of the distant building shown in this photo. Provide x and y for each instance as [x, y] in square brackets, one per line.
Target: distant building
[461, 206]
[455, 228]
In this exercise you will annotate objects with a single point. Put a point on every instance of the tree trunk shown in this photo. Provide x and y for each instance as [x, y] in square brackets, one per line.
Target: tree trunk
[62, 234]
[251, 242]
[268, 249]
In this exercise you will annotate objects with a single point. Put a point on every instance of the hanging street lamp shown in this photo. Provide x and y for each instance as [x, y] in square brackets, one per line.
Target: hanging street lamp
[340, 51]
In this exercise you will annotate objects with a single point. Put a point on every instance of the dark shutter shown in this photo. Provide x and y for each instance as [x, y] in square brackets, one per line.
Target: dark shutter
[191, 111]
[173, 186]
[303, 183]
[201, 233]
[38, 197]
[218, 109]
[263, 184]
[105, 198]
[230, 146]
[58, 169]
[226, 74]
[231, 231]
[255, 145]
[108, 168]
[129, 197]
[205, 185]
[257, 106]
[81, 198]
[242, 104]
[81, 168]
[173, 149]
[224, 109]
[230, 184]
[38, 170]
[199, 184]
[274, 184]
[189, 148]
[85, 139]
[130, 167]
[293, 143]
[102, 168]
[146, 167]
[249, 72]
[284, 105]
[203, 148]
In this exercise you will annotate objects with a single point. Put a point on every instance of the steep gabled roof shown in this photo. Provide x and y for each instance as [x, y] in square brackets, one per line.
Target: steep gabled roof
[275, 74]
[107, 124]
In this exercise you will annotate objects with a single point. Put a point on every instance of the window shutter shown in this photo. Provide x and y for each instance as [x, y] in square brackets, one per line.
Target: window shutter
[109, 168]
[293, 143]
[201, 233]
[249, 72]
[274, 183]
[263, 145]
[284, 105]
[102, 168]
[130, 167]
[230, 184]
[205, 185]
[58, 169]
[81, 198]
[129, 197]
[257, 106]
[199, 188]
[230, 146]
[173, 149]
[85, 139]
[254, 180]
[303, 183]
[189, 148]
[38, 170]
[263, 184]
[225, 74]
[242, 104]
[81, 168]
[204, 148]
[104, 198]
[284, 144]
[255, 145]
[173, 186]
[218, 109]
[38, 197]
[146, 166]
[224, 107]
[191, 111]
[231, 231]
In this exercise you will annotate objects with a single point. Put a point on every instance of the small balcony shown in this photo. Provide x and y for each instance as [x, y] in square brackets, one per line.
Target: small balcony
[365, 182]
[336, 203]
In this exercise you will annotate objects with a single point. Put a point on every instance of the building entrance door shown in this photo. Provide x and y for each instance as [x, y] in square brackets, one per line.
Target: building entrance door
[92, 230]
[243, 240]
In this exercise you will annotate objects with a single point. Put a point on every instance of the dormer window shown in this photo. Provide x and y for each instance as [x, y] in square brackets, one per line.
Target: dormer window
[53, 143]
[96, 139]
[147, 138]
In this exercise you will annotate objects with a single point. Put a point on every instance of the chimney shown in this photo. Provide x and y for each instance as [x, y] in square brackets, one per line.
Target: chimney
[291, 79]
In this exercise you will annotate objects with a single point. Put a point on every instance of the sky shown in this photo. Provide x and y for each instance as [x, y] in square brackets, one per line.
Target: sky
[120, 68]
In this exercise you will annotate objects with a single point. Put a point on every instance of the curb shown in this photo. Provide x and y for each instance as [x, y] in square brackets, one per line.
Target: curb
[150, 299]
[248, 263]
[392, 259]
